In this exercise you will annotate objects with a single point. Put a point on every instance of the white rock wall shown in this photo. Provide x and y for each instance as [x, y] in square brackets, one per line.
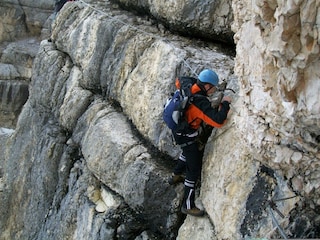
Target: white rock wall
[280, 81]
[275, 121]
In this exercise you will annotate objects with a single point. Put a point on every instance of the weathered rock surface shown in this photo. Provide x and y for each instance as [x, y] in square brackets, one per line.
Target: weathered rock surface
[15, 74]
[81, 151]
[90, 156]
[204, 19]
[22, 18]
[279, 87]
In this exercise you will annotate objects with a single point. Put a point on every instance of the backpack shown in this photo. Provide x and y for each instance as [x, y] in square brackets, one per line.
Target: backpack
[176, 105]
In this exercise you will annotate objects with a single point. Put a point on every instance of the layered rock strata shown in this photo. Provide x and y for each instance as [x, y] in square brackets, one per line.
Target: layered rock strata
[90, 155]
[96, 80]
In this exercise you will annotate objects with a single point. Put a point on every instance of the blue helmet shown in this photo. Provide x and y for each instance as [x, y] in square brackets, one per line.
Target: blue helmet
[209, 76]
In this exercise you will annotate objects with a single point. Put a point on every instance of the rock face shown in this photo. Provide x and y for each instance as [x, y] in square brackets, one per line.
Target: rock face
[22, 24]
[89, 156]
[15, 74]
[21, 18]
[206, 19]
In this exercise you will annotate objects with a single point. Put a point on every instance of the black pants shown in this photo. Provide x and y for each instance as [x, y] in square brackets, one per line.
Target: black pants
[191, 162]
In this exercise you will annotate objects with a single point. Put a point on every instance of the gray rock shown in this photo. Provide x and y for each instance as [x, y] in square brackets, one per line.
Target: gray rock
[90, 155]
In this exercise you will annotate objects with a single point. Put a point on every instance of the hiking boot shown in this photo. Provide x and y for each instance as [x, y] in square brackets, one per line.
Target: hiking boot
[193, 211]
[176, 179]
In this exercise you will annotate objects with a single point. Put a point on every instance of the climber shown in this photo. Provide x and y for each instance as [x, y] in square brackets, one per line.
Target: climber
[200, 118]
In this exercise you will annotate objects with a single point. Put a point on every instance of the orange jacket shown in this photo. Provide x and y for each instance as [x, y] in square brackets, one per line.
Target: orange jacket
[201, 110]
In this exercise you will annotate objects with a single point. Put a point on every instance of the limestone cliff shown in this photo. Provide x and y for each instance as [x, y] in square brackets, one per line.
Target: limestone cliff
[202, 19]
[89, 156]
